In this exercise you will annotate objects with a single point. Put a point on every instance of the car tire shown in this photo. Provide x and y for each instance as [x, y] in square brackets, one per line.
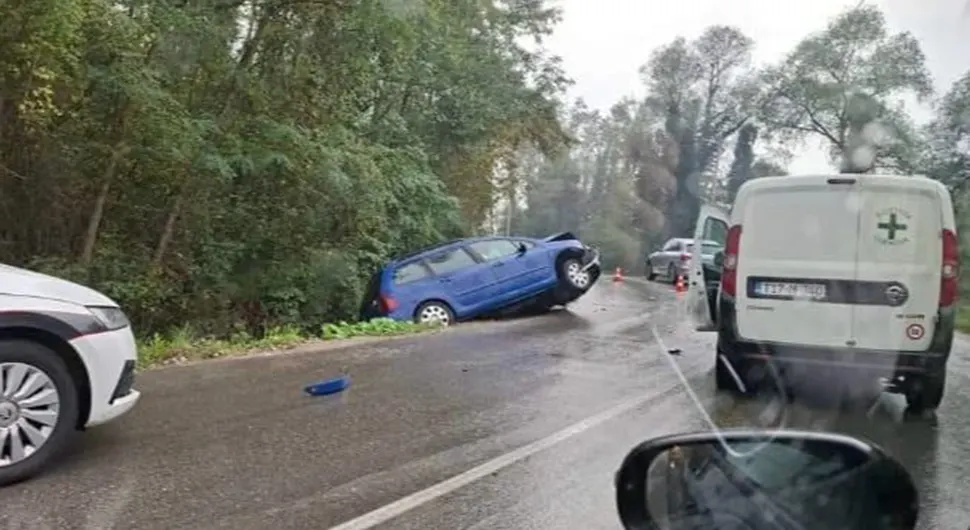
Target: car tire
[650, 274]
[572, 275]
[434, 311]
[35, 364]
[928, 396]
[671, 273]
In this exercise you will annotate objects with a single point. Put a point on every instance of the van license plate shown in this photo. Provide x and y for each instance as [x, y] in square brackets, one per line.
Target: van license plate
[807, 291]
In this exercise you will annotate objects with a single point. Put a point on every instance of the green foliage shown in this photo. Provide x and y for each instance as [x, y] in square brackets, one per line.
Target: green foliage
[843, 85]
[183, 345]
[375, 327]
[245, 166]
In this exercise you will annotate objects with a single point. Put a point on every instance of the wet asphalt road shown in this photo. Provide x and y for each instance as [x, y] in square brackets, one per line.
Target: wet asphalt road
[548, 405]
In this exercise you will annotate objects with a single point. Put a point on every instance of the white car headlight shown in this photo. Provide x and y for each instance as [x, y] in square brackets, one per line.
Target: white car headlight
[111, 318]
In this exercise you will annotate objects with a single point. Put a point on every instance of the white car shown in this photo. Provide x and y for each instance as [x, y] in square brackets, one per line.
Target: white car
[67, 362]
[850, 271]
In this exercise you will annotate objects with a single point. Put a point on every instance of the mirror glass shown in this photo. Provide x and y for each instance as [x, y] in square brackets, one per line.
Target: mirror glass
[781, 483]
[719, 259]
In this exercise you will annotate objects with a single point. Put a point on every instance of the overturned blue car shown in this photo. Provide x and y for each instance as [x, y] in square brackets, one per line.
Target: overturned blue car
[467, 278]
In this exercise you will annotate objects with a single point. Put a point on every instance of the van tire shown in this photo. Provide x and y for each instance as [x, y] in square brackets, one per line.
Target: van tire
[45, 361]
[929, 396]
[723, 378]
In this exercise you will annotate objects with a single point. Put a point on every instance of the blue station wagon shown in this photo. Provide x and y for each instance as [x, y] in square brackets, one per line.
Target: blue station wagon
[471, 277]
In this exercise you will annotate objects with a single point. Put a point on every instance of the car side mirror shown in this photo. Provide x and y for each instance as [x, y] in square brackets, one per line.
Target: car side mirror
[522, 248]
[747, 479]
[719, 259]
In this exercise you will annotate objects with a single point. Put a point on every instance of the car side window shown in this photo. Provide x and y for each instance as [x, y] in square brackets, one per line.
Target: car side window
[494, 248]
[411, 272]
[715, 230]
[671, 246]
[450, 261]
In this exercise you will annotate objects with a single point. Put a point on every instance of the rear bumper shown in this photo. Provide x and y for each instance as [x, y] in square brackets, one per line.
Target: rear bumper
[894, 364]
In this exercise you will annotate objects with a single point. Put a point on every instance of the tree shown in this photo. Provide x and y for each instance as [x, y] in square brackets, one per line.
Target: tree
[244, 164]
[947, 153]
[705, 90]
[843, 85]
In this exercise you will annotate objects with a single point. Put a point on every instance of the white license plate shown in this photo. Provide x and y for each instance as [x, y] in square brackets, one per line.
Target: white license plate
[808, 291]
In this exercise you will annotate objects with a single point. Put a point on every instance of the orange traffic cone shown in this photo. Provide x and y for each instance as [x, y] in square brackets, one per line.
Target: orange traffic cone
[618, 275]
[681, 286]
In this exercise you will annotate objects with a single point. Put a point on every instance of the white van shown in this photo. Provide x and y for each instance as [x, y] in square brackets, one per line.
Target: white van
[67, 362]
[847, 271]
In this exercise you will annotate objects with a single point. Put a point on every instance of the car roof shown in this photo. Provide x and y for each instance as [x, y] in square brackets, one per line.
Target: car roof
[441, 246]
[425, 250]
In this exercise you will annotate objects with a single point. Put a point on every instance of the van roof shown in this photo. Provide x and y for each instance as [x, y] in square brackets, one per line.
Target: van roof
[918, 181]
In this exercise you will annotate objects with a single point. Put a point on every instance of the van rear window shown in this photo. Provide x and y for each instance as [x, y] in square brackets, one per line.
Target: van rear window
[411, 272]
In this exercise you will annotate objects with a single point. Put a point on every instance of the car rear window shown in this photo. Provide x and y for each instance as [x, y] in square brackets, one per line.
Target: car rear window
[410, 272]
[450, 261]
[494, 248]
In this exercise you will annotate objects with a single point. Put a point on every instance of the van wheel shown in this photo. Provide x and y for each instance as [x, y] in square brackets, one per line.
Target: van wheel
[434, 312]
[928, 396]
[38, 409]
[723, 378]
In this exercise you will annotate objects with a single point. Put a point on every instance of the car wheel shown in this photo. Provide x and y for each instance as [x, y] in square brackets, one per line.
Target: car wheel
[650, 274]
[928, 396]
[38, 408]
[671, 273]
[571, 271]
[434, 312]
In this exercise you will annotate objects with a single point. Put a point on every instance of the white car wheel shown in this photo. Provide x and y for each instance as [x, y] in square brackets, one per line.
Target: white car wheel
[38, 408]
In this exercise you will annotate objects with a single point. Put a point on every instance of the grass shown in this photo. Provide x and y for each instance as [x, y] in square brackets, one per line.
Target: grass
[963, 318]
[183, 345]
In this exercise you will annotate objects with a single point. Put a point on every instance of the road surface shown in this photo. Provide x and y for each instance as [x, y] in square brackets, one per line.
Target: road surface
[496, 425]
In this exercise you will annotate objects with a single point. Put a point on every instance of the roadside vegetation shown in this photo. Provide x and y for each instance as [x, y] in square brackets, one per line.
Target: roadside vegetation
[232, 171]
[183, 346]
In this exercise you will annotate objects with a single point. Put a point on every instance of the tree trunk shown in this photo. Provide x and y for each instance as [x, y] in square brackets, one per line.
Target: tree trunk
[168, 232]
[94, 222]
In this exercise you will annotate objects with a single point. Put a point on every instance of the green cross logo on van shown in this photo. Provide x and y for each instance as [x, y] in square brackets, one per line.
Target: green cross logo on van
[892, 226]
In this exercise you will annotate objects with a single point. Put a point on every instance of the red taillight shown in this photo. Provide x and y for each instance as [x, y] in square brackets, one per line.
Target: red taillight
[685, 257]
[388, 304]
[729, 271]
[950, 270]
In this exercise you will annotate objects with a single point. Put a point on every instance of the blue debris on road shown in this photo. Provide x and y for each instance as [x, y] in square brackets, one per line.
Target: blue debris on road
[328, 386]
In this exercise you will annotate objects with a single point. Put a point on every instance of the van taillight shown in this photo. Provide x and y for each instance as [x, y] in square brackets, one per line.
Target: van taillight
[950, 270]
[388, 304]
[729, 271]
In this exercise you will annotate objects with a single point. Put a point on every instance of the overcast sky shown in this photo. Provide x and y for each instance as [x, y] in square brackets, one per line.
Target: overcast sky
[604, 42]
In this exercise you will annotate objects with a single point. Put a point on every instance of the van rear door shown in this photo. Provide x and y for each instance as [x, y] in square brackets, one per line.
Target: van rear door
[797, 256]
[900, 259]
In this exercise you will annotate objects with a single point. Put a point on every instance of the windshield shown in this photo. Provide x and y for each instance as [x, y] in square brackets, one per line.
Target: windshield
[428, 264]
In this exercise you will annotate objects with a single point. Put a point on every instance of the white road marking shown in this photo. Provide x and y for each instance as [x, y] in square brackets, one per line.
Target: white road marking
[405, 504]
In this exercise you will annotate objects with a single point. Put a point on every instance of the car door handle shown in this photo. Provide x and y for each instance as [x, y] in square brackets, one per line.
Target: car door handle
[444, 280]
[499, 264]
